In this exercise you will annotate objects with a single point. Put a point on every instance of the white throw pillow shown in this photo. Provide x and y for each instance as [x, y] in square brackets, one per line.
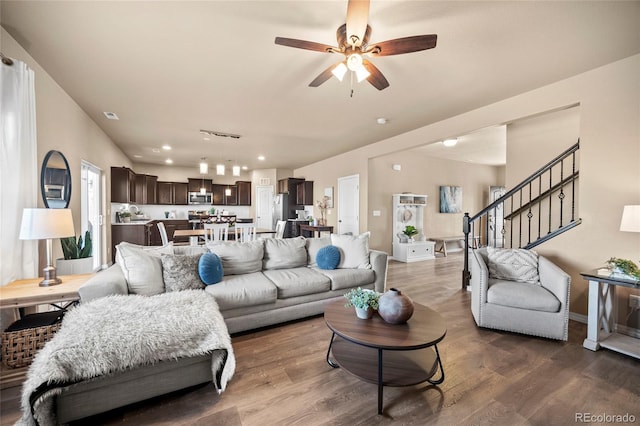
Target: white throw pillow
[142, 267]
[513, 265]
[354, 250]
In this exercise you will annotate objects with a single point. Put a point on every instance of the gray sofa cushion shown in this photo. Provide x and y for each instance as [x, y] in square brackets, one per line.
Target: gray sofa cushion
[298, 281]
[313, 246]
[347, 278]
[239, 291]
[522, 295]
[284, 253]
[239, 258]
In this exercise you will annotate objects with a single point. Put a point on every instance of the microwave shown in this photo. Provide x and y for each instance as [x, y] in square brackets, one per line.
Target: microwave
[200, 198]
[54, 192]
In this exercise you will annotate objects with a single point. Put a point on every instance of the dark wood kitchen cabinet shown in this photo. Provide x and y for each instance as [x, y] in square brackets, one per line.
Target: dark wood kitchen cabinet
[196, 184]
[131, 233]
[172, 193]
[289, 186]
[171, 225]
[244, 193]
[123, 185]
[304, 193]
[146, 186]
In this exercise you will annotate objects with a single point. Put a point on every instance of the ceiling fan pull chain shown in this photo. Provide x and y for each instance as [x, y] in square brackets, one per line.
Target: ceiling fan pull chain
[351, 83]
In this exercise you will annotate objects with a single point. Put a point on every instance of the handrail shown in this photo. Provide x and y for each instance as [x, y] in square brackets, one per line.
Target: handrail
[530, 211]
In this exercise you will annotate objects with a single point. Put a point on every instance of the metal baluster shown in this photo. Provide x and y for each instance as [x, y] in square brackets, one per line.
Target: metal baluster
[573, 187]
[539, 207]
[561, 195]
[550, 197]
[529, 216]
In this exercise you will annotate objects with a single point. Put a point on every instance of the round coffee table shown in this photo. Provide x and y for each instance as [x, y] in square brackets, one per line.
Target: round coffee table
[386, 354]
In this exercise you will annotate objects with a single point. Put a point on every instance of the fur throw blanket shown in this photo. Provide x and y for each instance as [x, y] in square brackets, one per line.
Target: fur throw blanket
[116, 333]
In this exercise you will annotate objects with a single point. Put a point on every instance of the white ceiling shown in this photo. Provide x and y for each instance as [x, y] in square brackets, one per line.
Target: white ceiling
[169, 69]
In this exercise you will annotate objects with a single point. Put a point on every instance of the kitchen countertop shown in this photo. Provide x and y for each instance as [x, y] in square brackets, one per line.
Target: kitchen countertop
[135, 222]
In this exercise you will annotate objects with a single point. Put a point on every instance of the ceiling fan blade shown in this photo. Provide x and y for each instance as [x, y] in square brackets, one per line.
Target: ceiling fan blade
[376, 78]
[303, 44]
[357, 19]
[322, 77]
[404, 45]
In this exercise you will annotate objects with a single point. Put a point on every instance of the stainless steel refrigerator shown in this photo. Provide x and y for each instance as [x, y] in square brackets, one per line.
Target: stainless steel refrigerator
[283, 210]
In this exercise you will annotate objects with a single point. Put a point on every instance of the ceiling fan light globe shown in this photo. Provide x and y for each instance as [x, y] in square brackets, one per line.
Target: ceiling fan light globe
[362, 74]
[339, 71]
[354, 62]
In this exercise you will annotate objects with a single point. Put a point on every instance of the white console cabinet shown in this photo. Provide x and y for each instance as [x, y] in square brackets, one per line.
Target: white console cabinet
[408, 209]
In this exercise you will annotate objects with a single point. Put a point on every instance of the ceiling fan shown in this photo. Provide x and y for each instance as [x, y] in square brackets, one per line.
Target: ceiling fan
[353, 43]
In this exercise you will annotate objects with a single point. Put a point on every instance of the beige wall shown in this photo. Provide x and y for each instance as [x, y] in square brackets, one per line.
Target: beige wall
[609, 129]
[61, 125]
[424, 175]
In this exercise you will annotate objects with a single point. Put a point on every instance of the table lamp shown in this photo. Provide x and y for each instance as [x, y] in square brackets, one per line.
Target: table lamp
[45, 224]
[630, 219]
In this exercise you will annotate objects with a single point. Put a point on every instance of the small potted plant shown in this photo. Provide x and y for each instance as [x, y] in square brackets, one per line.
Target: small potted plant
[624, 268]
[126, 217]
[77, 255]
[365, 301]
[410, 231]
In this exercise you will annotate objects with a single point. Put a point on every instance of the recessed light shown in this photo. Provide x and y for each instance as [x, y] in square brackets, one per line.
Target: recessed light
[166, 147]
[137, 156]
[261, 157]
[450, 142]
[111, 115]
[206, 139]
[245, 168]
[155, 150]
[381, 120]
[168, 161]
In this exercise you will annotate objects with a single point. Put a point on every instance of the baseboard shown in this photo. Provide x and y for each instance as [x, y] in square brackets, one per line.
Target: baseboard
[622, 329]
[578, 317]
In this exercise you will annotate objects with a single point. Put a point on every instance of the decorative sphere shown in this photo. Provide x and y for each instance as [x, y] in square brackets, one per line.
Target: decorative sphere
[394, 307]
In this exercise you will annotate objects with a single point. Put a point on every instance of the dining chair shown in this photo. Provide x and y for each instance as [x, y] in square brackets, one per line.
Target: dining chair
[245, 232]
[163, 233]
[216, 232]
[280, 226]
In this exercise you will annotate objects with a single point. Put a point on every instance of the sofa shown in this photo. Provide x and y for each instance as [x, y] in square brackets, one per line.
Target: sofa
[520, 291]
[265, 282]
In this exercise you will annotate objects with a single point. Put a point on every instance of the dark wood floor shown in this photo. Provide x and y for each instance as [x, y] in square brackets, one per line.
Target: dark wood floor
[491, 377]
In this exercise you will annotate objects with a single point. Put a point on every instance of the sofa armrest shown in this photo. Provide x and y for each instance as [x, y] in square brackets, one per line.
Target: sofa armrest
[379, 261]
[104, 283]
[555, 280]
[479, 283]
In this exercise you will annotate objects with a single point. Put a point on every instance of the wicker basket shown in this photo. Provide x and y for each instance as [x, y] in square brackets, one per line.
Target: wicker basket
[19, 347]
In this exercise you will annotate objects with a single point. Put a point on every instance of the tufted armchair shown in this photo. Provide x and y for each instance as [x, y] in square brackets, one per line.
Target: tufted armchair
[509, 294]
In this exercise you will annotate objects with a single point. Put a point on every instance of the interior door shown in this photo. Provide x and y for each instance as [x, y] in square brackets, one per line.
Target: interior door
[349, 205]
[92, 216]
[264, 206]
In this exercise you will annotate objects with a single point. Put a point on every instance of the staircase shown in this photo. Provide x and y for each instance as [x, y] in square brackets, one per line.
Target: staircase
[536, 210]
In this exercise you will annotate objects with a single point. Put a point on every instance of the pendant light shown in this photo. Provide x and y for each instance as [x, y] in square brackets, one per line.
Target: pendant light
[204, 169]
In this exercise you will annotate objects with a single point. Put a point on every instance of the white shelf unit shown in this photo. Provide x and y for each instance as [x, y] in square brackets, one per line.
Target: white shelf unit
[408, 209]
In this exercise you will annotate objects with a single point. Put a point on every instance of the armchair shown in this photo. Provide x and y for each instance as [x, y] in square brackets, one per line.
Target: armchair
[522, 307]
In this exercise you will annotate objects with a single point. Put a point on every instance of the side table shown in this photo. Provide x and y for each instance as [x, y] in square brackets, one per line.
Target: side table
[603, 309]
[27, 292]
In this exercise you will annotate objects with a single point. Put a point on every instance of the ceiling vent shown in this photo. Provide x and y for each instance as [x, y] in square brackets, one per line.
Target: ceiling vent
[219, 134]
[111, 115]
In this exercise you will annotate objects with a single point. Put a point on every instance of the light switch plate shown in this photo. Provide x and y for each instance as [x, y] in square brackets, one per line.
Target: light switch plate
[376, 212]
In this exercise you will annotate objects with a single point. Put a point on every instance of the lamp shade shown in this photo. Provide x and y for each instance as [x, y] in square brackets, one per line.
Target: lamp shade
[630, 219]
[41, 224]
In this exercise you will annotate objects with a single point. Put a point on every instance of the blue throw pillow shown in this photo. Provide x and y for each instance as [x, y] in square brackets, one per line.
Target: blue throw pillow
[328, 257]
[210, 268]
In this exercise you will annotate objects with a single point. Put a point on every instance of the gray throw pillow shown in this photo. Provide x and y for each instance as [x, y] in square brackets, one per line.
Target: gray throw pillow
[239, 258]
[354, 250]
[180, 272]
[313, 246]
[284, 253]
[513, 265]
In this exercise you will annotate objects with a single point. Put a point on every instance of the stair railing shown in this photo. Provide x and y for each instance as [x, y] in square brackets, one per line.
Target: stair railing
[539, 208]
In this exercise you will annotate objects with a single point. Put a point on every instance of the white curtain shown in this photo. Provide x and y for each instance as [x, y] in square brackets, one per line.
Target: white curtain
[19, 184]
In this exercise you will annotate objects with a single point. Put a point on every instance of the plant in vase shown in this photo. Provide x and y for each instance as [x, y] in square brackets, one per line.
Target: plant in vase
[624, 267]
[410, 231]
[77, 255]
[365, 301]
[323, 205]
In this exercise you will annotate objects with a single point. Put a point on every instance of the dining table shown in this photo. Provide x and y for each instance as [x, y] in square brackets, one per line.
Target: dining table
[195, 235]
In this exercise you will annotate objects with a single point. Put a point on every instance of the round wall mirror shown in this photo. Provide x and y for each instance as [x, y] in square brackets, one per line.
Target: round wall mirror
[55, 181]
